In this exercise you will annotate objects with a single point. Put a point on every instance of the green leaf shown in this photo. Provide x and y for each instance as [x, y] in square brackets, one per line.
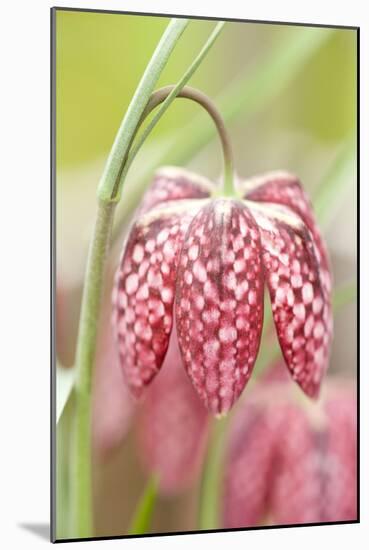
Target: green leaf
[142, 518]
[65, 379]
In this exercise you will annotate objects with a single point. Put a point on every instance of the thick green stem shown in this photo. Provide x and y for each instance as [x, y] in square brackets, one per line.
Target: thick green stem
[85, 354]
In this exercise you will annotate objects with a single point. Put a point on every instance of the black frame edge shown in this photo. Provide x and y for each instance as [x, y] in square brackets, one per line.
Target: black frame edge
[53, 273]
[206, 18]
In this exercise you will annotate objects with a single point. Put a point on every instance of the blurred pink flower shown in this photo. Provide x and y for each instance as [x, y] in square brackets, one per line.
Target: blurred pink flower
[112, 402]
[289, 463]
[67, 309]
[172, 426]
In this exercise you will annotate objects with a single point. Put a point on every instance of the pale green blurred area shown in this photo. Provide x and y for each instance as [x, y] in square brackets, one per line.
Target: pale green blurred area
[100, 59]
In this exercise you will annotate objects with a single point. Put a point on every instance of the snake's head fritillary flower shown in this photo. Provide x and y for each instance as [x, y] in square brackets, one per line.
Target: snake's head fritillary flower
[287, 463]
[205, 261]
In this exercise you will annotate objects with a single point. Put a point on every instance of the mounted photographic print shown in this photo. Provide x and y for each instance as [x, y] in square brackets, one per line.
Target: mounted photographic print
[204, 369]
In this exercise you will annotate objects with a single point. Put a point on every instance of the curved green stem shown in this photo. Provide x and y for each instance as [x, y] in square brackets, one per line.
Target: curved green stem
[243, 97]
[160, 96]
[85, 353]
[164, 104]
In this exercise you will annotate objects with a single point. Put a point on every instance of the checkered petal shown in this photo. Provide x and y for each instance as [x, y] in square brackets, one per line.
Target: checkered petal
[301, 309]
[144, 292]
[285, 189]
[219, 302]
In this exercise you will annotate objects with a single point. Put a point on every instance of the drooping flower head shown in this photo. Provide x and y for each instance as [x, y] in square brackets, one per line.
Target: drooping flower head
[205, 261]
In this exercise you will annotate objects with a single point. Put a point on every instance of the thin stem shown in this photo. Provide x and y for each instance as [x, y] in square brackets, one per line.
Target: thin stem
[109, 188]
[162, 95]
[85, 354]
[210, 494]
[145, 507]
[169, 100]
[242, 98]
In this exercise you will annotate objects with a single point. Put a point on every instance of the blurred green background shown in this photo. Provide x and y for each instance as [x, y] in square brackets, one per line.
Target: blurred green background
[295, 114]
[299, 116]
[101, 57]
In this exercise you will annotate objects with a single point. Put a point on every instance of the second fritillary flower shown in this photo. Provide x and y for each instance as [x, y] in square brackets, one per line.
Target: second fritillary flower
[291, 462]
